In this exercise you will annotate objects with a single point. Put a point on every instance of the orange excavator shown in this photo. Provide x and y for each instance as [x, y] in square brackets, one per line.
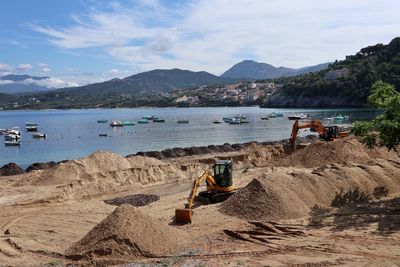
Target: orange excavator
[327, 133]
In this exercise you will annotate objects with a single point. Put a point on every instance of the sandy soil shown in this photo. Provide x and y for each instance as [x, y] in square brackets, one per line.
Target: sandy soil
[332, 203]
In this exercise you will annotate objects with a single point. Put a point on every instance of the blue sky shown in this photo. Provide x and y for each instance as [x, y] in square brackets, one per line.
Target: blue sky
[84, 41]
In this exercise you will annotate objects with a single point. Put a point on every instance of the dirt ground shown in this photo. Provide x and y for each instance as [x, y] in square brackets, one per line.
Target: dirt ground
[334, 203]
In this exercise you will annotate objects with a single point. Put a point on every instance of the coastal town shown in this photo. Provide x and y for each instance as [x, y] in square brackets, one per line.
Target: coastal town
[234, 93]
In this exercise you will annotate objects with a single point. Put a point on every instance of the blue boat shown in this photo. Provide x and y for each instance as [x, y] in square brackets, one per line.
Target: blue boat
[143, 121]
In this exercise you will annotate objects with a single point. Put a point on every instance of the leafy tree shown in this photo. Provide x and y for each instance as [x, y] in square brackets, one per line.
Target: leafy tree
[384, 130]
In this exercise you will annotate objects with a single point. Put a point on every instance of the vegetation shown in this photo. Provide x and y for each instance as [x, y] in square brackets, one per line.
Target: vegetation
[372, 63]
[384, 130]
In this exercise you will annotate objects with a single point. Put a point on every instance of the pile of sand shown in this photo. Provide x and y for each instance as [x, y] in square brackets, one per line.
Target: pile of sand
[259, 200]
[128, 234]
[288, 192]
[338, 151]
[102, 172]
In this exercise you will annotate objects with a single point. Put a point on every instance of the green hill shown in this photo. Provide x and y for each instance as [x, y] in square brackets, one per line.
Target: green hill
[343, 83]
[150, 82]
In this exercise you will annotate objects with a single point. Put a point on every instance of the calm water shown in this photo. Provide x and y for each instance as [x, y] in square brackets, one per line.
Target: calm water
[73, 134]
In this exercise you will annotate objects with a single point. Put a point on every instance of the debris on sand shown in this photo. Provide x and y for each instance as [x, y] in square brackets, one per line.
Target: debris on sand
[128, 234]
[136, 200]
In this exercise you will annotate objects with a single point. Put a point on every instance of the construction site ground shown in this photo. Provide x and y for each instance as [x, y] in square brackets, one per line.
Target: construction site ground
[328, 204]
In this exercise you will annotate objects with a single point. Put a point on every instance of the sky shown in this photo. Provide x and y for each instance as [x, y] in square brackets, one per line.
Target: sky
[77, 42]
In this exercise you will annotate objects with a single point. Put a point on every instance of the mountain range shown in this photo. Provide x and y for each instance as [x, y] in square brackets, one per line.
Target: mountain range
[155, 81]
[152, 82]
[249, 69]
[162, 81]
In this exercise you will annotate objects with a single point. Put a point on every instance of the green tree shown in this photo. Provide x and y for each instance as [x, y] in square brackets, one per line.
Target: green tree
[384, 130]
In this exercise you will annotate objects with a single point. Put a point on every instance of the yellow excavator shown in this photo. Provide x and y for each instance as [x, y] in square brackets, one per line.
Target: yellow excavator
[219, 188]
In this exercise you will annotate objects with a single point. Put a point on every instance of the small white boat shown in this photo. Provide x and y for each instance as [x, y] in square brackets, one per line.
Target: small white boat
[12, 143]
[328, 119]
[32, 128]
[300, 116]
[273, 115]
[116, 124]
[39, 135]
[13, 131]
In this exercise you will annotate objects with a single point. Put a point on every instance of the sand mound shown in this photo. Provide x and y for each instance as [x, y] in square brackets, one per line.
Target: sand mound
[128, 234]
[338, 151]
[261, 201]
[288, 192]
[103, 172]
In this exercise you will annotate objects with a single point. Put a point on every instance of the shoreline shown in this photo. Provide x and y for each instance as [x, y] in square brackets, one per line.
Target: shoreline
[12, 168]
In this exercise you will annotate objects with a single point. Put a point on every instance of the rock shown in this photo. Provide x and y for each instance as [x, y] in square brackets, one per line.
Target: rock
[7, 232]
[41, 166]
[10, 169]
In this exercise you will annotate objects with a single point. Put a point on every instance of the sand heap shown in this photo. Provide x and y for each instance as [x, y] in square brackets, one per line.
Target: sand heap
[261, 201]
[338, 151]
[290, 192]
[128, 234]
[102, 172]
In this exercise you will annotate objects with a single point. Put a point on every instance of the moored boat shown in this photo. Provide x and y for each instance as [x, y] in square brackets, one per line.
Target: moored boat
[143, 121]
[128, 123]
[150, 118]
[12, 143]
[39, 135]
[273, 115]
[264, 118]
[328, 119]
[217, 121]
[103, 134]
[32, 128]
[31, 124]
[116, 124]
[279, 114]
[338, 118]
[183, 121]
[300, 116]
[158, 120]
[101, 121]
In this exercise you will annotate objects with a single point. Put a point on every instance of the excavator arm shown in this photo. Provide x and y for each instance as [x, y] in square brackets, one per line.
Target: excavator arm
[315, 125]
[185, 215]
[205, 176]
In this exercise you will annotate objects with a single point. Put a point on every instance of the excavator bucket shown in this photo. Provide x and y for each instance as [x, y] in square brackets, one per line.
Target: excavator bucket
[183, 216]
[288, 148]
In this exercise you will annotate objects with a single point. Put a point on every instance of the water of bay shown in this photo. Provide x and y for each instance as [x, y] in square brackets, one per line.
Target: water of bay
[72, 134]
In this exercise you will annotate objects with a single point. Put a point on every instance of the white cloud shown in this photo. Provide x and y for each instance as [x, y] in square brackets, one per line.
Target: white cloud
[43, 65]
[5, 82]
[213, 35]
[24, 67]
[5, 68]
[50, 83]
[45, 70]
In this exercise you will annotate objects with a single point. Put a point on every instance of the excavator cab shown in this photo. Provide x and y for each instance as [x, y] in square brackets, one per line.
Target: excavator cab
[223, 173]
[331, 132]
